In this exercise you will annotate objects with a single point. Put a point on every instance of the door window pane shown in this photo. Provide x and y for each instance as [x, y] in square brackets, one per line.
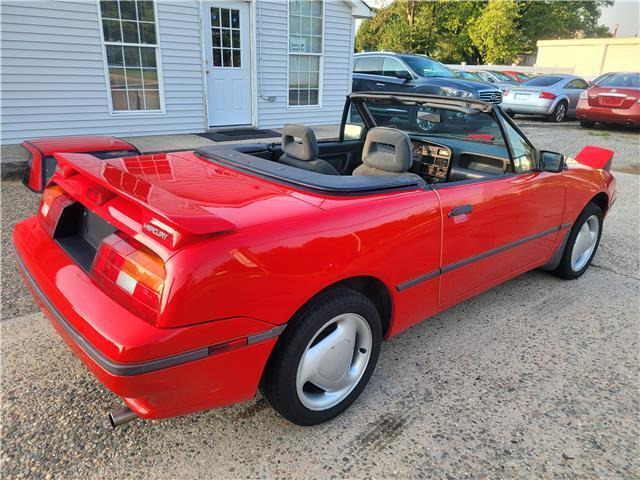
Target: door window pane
[523, 154]
[392, 66]
[225, 37]
[129, 31]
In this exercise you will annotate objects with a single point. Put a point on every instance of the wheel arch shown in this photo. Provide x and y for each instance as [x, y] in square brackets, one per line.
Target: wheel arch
[371, 287]
[602, 200]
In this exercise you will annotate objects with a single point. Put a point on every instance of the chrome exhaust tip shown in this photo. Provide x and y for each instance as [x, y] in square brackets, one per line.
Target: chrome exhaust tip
[628, 124]
[120, 416]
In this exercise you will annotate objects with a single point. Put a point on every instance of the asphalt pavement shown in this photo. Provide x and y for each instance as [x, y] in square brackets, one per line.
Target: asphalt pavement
[538, 377]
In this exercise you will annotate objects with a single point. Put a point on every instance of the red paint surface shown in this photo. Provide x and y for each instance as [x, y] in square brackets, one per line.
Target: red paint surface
[39, 148]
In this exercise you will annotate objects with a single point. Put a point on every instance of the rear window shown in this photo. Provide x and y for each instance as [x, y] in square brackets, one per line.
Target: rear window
[543, 81]
[622, 80]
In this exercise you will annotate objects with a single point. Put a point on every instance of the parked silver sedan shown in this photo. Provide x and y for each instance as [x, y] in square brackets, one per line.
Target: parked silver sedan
[554, 96]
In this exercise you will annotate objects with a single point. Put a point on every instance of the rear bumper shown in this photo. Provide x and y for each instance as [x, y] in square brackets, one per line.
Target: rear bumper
[618, 116]
[538, 107]
[158, 372]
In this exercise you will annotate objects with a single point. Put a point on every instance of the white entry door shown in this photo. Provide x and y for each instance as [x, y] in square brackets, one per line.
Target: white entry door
[228, 62]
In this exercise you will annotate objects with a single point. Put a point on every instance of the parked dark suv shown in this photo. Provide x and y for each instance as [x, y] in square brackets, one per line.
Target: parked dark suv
[397, 72]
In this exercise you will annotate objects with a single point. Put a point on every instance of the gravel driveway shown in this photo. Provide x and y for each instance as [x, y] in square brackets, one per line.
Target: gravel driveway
[538, 377]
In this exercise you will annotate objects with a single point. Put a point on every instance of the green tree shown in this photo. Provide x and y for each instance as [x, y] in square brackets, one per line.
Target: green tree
[495, 32]
[477, 31]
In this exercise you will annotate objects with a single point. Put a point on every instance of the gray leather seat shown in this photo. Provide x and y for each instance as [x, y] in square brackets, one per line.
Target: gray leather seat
[386, 152]
[304, 153]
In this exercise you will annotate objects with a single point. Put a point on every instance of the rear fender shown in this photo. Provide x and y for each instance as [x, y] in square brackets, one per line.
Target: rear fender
[595, 157]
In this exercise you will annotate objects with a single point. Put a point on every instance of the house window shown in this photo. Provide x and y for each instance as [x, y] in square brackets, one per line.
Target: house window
[305, 51]
[130, 39]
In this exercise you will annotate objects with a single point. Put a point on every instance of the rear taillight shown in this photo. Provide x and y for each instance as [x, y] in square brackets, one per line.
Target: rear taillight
[584, 95]
[505, 92]
[130, 272]
[547, 95]
[54, 200]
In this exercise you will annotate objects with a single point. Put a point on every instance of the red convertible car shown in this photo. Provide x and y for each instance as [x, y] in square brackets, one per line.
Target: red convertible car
[186, 281]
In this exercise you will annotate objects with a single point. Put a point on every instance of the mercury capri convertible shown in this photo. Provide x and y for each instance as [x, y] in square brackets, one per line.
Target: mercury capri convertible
[186, 281]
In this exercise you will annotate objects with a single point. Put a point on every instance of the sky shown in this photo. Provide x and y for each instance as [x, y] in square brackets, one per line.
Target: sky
[625, 13]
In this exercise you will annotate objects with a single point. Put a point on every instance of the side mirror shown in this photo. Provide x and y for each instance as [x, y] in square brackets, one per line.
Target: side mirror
[551, 161]
[352, 131]
[404, 75]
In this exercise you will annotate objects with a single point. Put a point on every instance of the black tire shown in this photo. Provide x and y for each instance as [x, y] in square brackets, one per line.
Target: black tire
[559, 113]
[586, 124]
[565, 268]
[278, 383]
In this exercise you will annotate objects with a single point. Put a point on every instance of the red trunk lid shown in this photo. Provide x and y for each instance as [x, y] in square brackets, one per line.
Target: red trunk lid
[192, 195]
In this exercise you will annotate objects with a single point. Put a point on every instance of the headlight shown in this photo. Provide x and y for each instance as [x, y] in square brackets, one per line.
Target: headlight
[584, 95]
[454, 92]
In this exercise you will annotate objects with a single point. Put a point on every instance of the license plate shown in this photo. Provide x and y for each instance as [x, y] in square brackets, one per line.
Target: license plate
[610, 100]
[522, 96]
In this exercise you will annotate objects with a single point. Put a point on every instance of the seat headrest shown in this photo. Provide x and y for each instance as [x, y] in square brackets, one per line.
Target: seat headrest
[387, 149]
[306, 148]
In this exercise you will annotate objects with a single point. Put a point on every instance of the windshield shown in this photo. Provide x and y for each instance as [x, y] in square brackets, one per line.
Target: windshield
[436, 122]
[469, 75]
[622, 80]
[503, 77]
[543, 81]
[427, 68]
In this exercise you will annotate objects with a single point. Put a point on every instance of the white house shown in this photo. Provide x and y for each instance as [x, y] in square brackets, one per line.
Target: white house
[148, 67]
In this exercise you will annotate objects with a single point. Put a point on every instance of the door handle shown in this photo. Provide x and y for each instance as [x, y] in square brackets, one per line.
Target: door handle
[380, 84]
[460, 210]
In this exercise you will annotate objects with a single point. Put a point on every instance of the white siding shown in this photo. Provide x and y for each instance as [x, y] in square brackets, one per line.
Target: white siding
[53, 79]
[337, 62]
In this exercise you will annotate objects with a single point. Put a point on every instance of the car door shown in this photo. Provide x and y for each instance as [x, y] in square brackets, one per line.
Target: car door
[367, 73]
[496, 228]
[573, 89]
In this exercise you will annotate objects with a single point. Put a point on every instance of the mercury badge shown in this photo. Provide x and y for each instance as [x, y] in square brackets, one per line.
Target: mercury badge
[156, 231]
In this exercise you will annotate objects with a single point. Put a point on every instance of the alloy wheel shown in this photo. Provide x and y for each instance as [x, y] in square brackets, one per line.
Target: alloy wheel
[585, 243]
[560, 112]
[334, 361]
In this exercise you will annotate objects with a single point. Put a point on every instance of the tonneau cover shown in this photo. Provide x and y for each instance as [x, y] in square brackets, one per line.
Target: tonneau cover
[233, 156]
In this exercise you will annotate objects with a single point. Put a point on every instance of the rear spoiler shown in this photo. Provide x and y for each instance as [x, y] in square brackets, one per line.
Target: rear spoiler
[169, 218]
[595, 157]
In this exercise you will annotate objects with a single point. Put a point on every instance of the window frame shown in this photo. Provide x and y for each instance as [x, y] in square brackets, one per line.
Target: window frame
[504, 120]
[123, 113]
[320, 61]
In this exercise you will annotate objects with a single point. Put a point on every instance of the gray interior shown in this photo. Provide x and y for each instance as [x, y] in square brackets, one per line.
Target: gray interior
[388, 158]
[386, 152]
[301, 150]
